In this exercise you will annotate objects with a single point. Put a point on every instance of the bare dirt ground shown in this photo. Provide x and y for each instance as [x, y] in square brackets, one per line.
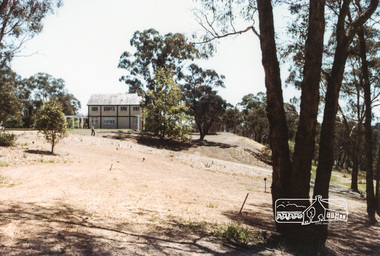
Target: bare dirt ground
[112, 195]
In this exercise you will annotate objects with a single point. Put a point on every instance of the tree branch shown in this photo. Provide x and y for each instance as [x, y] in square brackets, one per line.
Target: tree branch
[229, 34]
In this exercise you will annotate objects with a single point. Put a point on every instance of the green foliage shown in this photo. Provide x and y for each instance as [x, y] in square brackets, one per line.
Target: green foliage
[204, 104]
[29, 95]
[154, 51]
[41, 87]
[19, 22]
[9, 102]
[7, 139]
[51, 122]
[232, 119]
[235, 232]
[13, 122]
[255, 121]
[164, 112]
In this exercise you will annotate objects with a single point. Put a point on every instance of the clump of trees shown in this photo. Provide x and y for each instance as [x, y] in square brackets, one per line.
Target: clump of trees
[26, 97]
[175, 92]
[291, 173]
[21, 98]
[9, 103]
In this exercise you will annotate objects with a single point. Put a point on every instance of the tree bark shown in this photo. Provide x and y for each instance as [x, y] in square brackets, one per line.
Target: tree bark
[305, 137]
[370, 193]
[326, 152]
[355, 144]
[293, 181]
[378, 180]
[275, 105]
[355, 171]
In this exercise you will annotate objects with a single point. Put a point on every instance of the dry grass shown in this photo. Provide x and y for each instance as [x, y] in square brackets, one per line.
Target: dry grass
[152, 202]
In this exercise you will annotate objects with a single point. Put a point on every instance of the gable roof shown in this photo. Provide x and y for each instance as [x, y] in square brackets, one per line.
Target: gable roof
[114, 99]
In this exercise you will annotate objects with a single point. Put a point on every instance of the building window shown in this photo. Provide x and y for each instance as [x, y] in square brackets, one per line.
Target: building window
[136, 109]
[95, 109]
[109, 109]
[94, 120]
[123, 108]
[134, 120]
[109, 120]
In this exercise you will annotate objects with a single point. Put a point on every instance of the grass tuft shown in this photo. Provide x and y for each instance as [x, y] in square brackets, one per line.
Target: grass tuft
[235, 232]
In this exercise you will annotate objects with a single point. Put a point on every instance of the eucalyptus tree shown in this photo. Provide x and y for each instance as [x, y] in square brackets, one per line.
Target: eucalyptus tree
[233, 119]
[202, 100]
[10, 104]
[165, 113]
[291, 178]
[255, 123]
[40, 88]
[21, 20]
[354, 113]
[153, 51]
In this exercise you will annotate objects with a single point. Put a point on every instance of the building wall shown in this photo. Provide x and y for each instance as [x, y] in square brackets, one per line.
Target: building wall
[124, 123]
[109, 110]
[123, 110]
[115, 117]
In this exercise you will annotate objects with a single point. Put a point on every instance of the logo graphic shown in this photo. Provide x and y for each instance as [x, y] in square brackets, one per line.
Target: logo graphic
[320, 211]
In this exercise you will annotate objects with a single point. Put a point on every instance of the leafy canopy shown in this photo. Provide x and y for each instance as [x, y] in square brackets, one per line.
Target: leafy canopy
[21, 20]
[51, 122]
[9, 102]
[204, 104]
[154, 51]
[164, 112]
[41, 87]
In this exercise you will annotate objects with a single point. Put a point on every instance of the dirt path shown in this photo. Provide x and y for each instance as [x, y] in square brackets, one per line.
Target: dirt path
[99, 196]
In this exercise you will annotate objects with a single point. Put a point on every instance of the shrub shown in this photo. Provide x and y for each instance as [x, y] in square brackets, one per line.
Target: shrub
[7, 139]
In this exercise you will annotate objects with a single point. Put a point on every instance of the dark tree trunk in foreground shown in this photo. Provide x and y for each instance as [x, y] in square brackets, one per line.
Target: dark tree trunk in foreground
[370, 193]
[292, 181]
[275, 105]
[344, 37]
[378, 181]
[305, 137]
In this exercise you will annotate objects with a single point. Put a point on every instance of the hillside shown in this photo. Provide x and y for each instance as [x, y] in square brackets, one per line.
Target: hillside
[106, 196]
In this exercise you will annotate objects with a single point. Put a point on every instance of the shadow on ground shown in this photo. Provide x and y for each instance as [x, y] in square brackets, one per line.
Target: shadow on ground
[40, 152]
[357, 237]
[168, 144]
[36, 229]
[258, 216]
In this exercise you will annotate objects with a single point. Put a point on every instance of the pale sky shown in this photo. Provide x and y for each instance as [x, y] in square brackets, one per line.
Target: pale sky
[82, 43]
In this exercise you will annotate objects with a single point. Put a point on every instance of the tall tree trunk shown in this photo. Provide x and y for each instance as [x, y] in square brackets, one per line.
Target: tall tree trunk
[354, 143]
[275, 105]
[355, 171]
[305, 137]
[326, 152]
[344, 37]
[356, 148]
[200, 128]
[378, 180]
[371, 200]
